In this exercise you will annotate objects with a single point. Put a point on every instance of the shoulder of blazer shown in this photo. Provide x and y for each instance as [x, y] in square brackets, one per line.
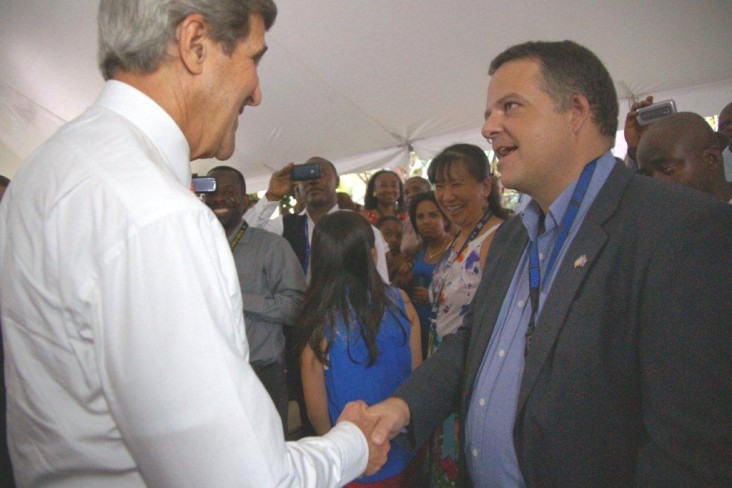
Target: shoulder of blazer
[646, 203]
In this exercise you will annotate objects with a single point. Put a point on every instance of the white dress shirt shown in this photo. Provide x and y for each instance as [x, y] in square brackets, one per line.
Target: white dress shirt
[260, 216]
[126, 356]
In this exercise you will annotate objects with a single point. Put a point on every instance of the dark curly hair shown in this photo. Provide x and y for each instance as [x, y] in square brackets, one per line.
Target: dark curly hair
[424, 197]
[476, 163]
[369, 201]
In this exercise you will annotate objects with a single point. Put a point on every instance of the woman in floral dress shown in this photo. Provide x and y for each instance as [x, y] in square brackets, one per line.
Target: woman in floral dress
[465, 193]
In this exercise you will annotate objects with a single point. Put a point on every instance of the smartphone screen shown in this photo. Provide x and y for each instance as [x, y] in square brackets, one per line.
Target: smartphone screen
[204, 184]
[307, 171]
[652, 113]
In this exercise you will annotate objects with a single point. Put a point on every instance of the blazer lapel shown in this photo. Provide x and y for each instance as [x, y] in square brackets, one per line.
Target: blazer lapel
[577, 263]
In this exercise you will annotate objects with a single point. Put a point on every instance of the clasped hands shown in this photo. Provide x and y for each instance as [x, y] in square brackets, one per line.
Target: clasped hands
[379, 424]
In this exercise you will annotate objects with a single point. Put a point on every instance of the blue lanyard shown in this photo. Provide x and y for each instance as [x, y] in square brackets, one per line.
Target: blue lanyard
[306, 261]
[534, 271]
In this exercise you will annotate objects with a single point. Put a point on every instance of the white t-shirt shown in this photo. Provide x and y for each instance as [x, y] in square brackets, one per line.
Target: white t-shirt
[126, 356]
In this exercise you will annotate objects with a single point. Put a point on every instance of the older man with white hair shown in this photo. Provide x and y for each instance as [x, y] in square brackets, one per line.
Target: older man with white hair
[126, 355]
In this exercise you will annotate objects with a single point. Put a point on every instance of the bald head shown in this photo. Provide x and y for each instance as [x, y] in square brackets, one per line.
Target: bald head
[321, 160]
[413, 187]
[684, 149]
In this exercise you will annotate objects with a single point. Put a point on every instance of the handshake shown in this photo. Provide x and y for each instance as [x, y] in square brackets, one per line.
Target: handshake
[379, 424]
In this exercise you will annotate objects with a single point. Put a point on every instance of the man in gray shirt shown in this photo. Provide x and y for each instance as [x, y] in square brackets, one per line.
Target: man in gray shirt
[271, 279]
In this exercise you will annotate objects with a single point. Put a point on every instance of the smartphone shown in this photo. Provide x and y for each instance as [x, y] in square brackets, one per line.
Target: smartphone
[648, 115]
[307, 171]
[204, 184]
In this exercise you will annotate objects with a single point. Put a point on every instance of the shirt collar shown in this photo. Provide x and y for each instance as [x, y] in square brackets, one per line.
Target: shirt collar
[334, 208]
[531, 215]
[150, 118]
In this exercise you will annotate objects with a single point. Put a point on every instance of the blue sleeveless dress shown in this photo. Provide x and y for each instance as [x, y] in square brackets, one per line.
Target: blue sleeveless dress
[422, 276]
[348, 377]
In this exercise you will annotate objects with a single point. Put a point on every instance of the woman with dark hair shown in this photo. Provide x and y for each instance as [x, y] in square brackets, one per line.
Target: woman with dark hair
[431, 225]
[384, 196]
[463, 189]
[464, 192]
[360, 336]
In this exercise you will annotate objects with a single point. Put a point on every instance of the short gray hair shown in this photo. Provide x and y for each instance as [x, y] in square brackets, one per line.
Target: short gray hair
[134, 34]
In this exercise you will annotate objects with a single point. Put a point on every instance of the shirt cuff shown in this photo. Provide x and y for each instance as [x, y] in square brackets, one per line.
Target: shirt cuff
[353, 447]
[263, 203]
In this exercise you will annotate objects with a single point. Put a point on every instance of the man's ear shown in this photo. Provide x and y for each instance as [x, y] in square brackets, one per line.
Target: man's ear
[245, 200]
[580, 110]
[488, 185]
[713, 157]
[192, 42]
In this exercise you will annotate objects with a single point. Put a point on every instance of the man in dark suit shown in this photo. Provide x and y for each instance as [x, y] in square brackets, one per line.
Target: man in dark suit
[597, 348]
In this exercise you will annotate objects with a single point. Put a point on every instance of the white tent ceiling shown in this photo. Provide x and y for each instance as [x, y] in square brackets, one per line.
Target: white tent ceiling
[360, 81]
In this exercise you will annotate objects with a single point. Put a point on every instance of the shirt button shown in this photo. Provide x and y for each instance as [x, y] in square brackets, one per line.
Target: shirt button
[482, 402]
[520, 304]
[541, 256]
[475, 453]
[501, 353]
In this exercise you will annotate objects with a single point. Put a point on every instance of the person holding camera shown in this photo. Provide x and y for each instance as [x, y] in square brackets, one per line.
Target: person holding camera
[319, 189]
[633, 131]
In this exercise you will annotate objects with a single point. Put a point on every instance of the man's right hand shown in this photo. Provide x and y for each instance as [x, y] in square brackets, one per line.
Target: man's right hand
[633, 130]
[393, 416]
[280, 184]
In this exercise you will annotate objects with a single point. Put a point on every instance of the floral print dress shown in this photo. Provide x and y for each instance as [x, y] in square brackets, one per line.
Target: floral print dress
[455, 279]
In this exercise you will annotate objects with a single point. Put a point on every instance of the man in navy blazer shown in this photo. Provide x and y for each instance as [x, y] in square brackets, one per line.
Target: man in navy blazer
[598, 347]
